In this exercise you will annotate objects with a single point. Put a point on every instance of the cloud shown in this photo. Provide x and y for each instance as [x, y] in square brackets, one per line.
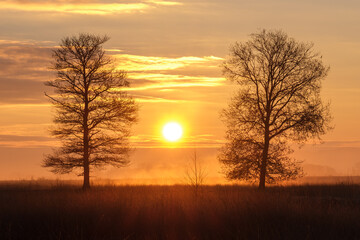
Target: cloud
[21, 141]
[16, 91]
[335, 144]
[195, 140]
[164, 3]
[150, 99]
[150, 63]
[21, 105]
[168, 81]
[24, 68]
[150, 72]
[83, 7]
[16, 138]
[24, 59]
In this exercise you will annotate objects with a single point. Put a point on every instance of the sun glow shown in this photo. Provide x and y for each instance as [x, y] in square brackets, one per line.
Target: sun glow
[172, 131]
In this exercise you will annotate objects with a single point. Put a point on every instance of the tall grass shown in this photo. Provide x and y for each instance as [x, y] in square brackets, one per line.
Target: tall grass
[175, 212]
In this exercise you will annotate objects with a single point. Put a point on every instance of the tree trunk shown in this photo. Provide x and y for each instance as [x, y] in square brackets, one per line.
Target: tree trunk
[263, 166]
[86, 184]
[86, 162]
[264, 159]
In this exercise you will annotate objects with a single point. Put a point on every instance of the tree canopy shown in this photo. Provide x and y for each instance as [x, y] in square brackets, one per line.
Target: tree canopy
[278, 101]
[93, 113]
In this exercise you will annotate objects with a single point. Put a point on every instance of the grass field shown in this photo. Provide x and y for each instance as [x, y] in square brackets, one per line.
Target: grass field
[176, 212]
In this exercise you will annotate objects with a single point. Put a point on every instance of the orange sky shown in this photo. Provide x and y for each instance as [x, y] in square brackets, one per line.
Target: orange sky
[172, 51]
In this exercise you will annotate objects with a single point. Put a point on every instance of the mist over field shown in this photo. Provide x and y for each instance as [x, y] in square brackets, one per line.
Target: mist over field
[167, 166]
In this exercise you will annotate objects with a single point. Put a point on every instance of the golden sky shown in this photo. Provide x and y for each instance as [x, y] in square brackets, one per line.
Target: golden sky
[172, 51]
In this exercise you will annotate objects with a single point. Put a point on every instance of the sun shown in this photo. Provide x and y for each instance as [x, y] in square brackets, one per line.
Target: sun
[172, 131]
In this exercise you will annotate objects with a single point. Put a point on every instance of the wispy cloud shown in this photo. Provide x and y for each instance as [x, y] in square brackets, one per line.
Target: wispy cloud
[150, 63]
[25, 66]
[165, 3]
[91, 8]
[24, 58]
[157, 141]
[150, 72]
[171, 77]
[22, 141]
[336, 144]
[149, 99]
[25, 105]
[167, 81]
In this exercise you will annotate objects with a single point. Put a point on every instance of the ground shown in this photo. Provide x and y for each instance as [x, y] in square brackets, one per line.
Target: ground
[179, 212]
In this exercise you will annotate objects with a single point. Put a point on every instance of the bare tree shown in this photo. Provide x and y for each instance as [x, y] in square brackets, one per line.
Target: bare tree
[93, 114]
[195, 173]
[278, 101]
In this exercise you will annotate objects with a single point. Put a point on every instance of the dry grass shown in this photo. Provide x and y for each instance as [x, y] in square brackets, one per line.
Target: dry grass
[174, 212]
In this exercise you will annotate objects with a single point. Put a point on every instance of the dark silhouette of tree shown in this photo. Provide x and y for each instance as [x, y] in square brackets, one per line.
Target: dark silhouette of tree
[195, 173]
[93, 114]
[278, 101]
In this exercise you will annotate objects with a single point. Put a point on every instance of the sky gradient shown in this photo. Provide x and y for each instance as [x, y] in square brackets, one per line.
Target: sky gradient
[172, 51]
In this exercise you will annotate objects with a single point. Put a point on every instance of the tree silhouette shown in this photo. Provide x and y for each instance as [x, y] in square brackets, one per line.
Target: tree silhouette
[195, 173]
[93, 114]
[278, 101]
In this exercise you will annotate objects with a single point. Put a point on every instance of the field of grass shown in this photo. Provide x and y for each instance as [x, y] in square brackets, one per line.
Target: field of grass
[176, 212]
